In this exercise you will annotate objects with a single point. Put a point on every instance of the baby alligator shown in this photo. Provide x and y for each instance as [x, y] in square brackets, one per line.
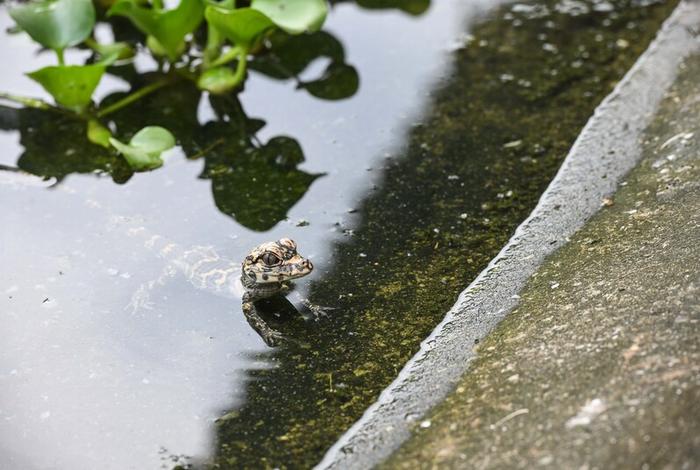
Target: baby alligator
[265, 272]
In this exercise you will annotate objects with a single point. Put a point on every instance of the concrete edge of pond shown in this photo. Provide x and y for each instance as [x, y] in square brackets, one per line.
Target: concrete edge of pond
[605, 151]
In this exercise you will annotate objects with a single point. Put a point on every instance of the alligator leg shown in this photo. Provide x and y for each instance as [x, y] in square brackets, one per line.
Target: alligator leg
[317, 311]
[271, 337]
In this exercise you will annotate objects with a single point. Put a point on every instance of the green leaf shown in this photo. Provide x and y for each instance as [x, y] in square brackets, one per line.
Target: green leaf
[290, 55]
[339, 81]
[70, 85]
[294, 16]
[97, 133]
[168, 27]
[412, 7]
[145, 148]
[55, 147]
[242, 26]
[120, 50]
[56, 24]
[229, 4]
[218, 80]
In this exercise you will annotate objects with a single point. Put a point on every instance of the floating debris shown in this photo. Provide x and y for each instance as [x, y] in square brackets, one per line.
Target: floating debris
[587, 414]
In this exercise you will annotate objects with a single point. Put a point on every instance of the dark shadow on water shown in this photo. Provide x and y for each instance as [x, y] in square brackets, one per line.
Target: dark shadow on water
[412, 7]
[475, 167]
[254, 182]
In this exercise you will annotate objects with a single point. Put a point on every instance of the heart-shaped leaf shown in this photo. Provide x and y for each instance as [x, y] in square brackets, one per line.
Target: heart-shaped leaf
[168, 27]
[143, 152]
[56, 24]
[339, 81]
[70, 85]
[294, 16]
[242, 26]
[290, 55]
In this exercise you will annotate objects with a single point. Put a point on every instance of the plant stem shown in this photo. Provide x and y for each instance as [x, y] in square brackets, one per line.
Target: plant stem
[28, 102]
[229, 55]
[207, 149]
[214, 41]
[91, 43]
[239, 75]
[59, 54]
[137, 95]
[13, 169]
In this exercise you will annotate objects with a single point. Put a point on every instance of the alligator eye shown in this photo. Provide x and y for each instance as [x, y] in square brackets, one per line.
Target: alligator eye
[270, 259]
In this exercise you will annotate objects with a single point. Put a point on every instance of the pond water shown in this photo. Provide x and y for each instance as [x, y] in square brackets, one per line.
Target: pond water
[400, 193]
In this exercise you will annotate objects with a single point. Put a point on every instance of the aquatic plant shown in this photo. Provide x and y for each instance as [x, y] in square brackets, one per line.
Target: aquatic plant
[208, 43]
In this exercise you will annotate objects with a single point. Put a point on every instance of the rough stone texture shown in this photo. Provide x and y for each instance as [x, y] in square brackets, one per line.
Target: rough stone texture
[607, 149]
[599, 364]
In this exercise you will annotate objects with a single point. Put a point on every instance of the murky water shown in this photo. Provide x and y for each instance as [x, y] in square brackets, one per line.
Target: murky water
[399, 193]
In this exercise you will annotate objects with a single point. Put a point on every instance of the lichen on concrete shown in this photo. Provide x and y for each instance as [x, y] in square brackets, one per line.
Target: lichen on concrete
[599, 364]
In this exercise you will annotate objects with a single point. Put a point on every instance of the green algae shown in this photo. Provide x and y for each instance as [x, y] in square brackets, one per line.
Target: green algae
[521, 89]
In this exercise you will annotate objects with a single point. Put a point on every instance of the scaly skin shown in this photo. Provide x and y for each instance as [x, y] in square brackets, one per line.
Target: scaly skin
[266, 271]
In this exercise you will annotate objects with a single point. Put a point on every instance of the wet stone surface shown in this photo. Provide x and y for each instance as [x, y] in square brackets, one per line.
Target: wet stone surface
[598, 365]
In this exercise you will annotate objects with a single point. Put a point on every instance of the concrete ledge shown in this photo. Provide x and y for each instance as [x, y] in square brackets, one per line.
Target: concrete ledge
[598, 366]
[606, 150]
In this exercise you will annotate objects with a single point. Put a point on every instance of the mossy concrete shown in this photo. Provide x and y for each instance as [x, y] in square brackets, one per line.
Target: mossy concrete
[599, 364]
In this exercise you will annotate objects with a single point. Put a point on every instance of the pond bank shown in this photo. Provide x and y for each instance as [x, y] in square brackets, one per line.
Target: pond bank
[612, 137]
[598, 366]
